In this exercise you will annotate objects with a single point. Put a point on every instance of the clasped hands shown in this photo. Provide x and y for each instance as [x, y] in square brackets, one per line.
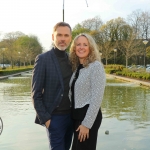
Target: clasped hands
[83, 133]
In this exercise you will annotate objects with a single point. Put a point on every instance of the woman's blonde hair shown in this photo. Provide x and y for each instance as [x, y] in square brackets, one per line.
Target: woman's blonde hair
[93, 55]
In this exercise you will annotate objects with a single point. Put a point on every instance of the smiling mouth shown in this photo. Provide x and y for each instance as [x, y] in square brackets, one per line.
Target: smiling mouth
[81, 52]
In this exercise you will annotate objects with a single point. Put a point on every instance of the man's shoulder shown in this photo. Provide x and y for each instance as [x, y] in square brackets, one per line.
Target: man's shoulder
[46, 54]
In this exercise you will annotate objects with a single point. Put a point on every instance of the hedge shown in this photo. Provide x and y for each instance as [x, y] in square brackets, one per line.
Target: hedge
[15, 70]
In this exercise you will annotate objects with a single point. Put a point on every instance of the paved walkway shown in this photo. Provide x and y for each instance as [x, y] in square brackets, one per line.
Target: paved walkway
[140, 82]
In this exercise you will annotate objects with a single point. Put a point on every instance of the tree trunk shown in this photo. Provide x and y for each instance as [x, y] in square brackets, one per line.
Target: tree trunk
[126, 62]
[106, 61]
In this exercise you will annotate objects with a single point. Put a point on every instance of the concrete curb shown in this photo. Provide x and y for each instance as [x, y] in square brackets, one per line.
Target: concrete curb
[12, 75]
[141, 83]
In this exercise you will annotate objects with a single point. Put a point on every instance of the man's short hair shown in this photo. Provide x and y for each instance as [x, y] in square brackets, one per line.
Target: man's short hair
[61, 24]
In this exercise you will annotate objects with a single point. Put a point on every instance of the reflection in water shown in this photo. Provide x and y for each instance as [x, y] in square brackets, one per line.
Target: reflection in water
[15, 95]
[125, 107]
[16, 86]
[127, 103]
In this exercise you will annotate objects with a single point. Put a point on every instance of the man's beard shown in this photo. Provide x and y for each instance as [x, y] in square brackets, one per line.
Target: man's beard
[62, 48]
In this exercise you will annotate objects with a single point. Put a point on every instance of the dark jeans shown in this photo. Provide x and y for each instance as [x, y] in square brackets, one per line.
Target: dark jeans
[60, 132]
[88, 144]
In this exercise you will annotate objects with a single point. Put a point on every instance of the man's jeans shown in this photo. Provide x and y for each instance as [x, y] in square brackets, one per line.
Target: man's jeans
[60, 132]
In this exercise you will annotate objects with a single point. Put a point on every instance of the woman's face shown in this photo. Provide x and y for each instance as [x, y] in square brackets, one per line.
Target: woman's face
[82, 48]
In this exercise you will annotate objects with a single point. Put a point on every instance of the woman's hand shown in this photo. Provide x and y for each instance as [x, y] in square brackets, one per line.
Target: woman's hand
[83, 133]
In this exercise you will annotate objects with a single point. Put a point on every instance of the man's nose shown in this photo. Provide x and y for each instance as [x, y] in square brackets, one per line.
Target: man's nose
[63, 38]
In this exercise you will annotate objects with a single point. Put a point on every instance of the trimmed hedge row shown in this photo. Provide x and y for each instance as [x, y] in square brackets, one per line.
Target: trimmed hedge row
[110, 69]
[121, 70]
[137, 75]
[13, 71]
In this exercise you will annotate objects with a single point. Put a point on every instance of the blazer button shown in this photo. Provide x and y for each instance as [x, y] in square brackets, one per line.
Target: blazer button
[61, 95]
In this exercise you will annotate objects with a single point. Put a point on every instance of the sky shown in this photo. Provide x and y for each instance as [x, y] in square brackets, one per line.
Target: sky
[37, 17]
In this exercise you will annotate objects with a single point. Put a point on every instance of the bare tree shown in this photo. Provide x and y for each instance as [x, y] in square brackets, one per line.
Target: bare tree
[110, 33]
[128, 45]
[134, 19]
[145, 25]
[140, 21]
[92, 24]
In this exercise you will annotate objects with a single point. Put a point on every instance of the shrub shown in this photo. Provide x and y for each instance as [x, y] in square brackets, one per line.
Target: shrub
[137, 75]
[13, 71]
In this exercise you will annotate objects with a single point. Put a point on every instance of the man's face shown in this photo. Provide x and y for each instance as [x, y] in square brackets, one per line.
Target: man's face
[62, 37]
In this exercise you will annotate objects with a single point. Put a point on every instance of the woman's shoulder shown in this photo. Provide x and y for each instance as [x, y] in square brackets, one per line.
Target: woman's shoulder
[95, 64]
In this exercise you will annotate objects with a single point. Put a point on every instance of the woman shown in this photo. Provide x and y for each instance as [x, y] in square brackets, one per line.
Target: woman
[87, 88]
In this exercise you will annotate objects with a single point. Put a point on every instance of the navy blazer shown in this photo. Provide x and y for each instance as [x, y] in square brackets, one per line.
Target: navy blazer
[47, 86]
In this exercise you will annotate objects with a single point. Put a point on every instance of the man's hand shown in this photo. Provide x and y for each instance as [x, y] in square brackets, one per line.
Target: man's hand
[47, 123]
[83, 133]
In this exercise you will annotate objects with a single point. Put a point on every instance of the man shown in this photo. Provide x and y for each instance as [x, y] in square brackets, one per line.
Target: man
[50, 87]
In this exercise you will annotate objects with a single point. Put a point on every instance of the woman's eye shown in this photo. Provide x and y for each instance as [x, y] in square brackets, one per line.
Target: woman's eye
[85, 45]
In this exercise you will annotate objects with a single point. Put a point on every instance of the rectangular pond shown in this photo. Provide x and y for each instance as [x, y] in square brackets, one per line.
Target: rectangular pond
[125, 107]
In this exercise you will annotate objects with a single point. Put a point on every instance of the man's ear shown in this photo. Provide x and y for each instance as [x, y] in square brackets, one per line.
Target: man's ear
[53, 37]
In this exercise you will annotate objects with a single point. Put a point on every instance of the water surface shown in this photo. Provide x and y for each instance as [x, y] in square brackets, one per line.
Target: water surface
[125, 107]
